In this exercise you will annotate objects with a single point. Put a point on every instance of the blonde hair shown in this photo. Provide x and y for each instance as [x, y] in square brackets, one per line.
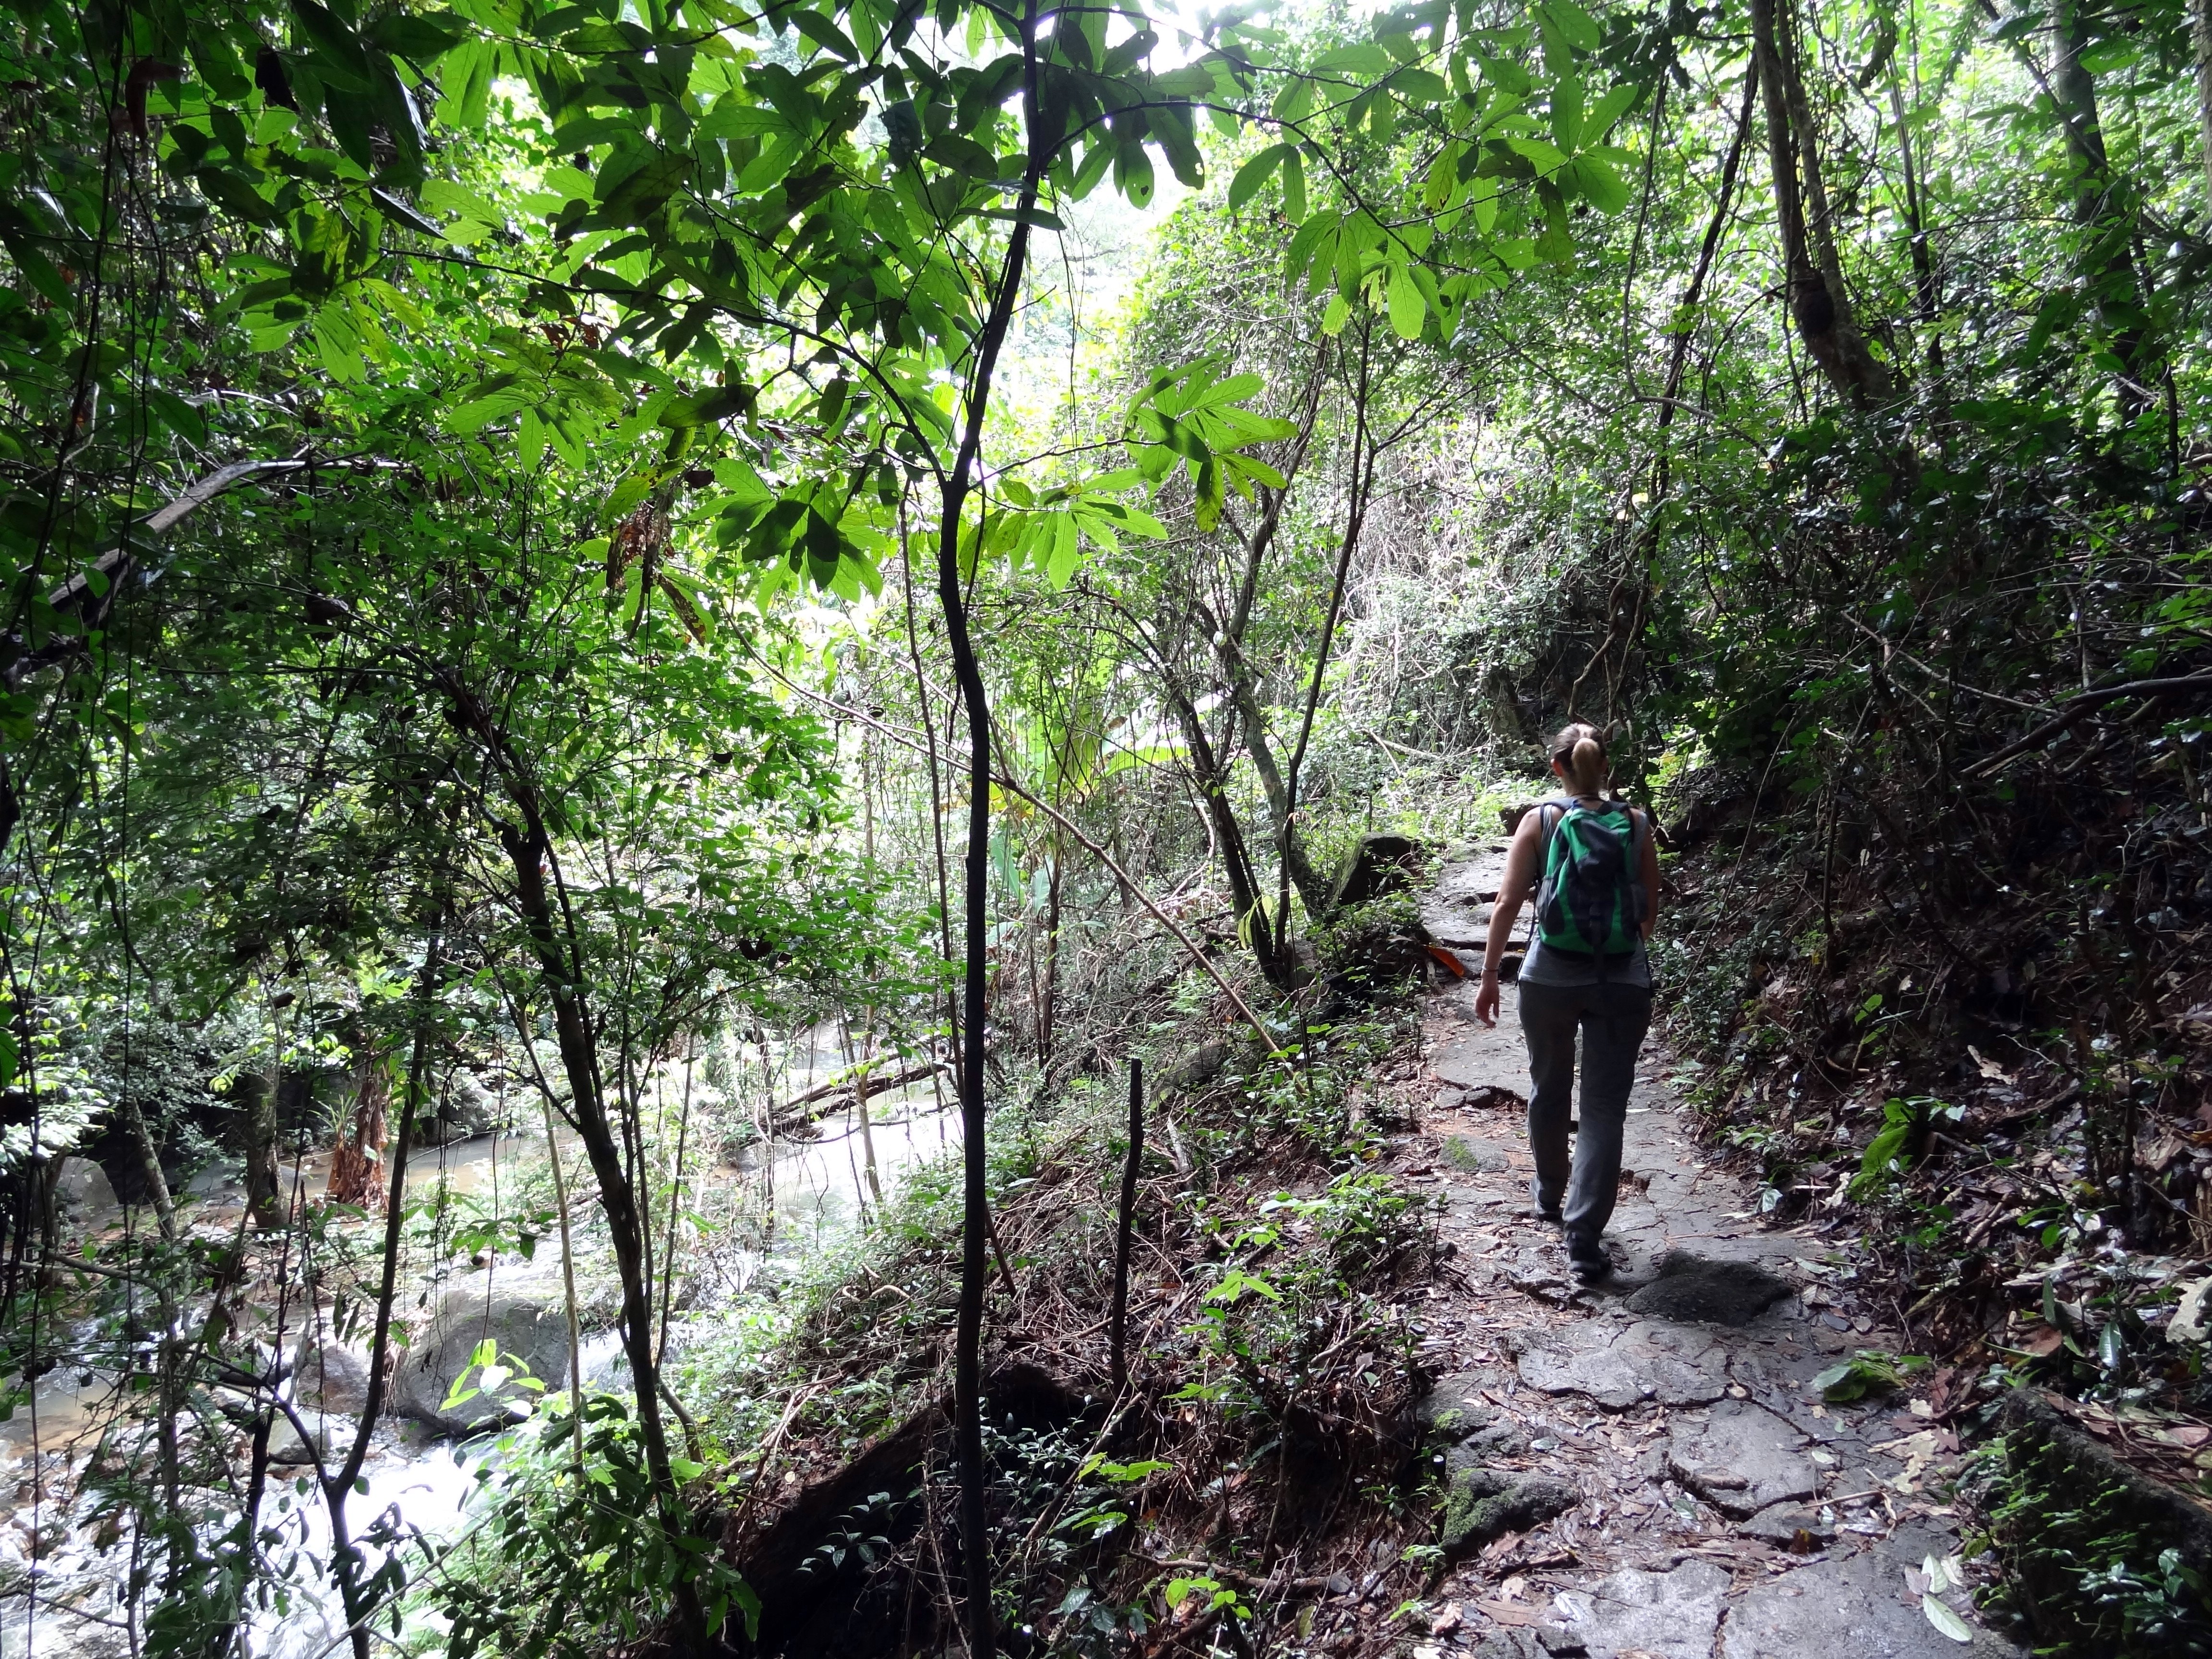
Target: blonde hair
[1580, 750]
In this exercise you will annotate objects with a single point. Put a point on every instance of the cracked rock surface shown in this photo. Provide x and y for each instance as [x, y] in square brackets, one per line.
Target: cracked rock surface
[1621, 1365]
[1673, 1615]
[1742, 1459]
[1654, 1474]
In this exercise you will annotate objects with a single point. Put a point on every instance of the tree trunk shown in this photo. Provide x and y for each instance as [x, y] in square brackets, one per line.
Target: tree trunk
[1685, 319]
[2106, 261]
[1237, 669]
[337, 1486]
[1818, 303]
[1365, 450]
[1125, 1216]
[1312, 887]
[1210, 772]
[150, 1159]
[1048, 1004]
[959, 484]
[361, 1145]
[561, 968]
[2200, 35]
[562, 974]
[1924, 282]
[257, 1098]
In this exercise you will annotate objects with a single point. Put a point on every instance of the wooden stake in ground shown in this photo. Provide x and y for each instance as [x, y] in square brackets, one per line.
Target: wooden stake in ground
[1123, 1224]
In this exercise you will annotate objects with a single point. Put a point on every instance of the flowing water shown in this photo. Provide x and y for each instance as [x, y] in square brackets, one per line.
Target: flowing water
[58, 1584]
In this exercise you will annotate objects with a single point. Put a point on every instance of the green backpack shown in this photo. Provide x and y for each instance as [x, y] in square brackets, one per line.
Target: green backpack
[1591, 902]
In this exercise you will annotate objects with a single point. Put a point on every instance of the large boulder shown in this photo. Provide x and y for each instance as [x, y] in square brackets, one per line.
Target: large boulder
[1194, 1070]
[1462, 1429]
[331, 1377]
[329, 1437]
[82, 1192]
[1481, 1505]
[1375, 866]
[530, 1333]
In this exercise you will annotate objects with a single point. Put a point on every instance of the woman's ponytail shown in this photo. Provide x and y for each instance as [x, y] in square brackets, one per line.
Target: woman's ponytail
[1579, 750]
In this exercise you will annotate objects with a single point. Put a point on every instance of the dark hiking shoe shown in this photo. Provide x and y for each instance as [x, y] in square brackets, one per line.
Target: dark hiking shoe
[1588, 1258]
[1542, 1209]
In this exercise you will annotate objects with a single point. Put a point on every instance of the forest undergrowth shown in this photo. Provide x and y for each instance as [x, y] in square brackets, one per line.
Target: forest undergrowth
[1973, 1031]
[1252, 1463]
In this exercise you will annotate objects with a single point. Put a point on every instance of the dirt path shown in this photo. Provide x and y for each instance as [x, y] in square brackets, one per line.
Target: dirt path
[1641, 1469]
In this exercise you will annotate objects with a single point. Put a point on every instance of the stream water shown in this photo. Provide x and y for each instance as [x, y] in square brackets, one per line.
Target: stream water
[60, 1582]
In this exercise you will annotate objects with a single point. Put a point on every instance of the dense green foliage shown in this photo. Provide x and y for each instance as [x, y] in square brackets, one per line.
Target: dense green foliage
[532, 526]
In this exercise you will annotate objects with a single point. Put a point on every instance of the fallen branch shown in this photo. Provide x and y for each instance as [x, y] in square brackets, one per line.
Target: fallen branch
[2085, 702]
[854, 1083]
[109, 563]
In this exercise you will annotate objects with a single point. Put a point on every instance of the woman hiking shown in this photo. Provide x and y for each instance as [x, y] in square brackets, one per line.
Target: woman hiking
[1594, 871]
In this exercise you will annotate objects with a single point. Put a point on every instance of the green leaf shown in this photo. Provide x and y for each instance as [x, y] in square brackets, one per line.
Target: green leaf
[478, 413]
[1547, 158]
[1579, 27]
[1256, 173]
[1234, 390]
[338, 58]
[1294, 188]
[1865, 1371]
[1616, 103]
[1408, 311]
[444, 196]
[1338, 313]
[1839, 1383]
[2111, 1346]
[625, 495]
[735, 116]
[234, 195]
[1133, 172]
[1365, 58]
[1880, 1152]
[1124, 1473]
[180, 416]
[1421, 86]
[1037, 216]
[1567, 113]
[1235, 1281]
[423, 36]
[824, 34]
[1598, 183]
[1093, 169]
[962, 154]
[1067, 550]
[466, 79]
[1555, 243]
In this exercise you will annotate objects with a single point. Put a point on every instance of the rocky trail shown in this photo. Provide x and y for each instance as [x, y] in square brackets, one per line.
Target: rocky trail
[1642, 1468]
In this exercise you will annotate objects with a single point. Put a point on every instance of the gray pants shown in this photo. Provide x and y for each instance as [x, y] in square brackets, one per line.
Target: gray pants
[1612, 1019]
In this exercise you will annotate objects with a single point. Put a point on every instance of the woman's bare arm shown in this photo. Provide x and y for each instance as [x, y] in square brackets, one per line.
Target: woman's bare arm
[1523, 864]
[1649, 864]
